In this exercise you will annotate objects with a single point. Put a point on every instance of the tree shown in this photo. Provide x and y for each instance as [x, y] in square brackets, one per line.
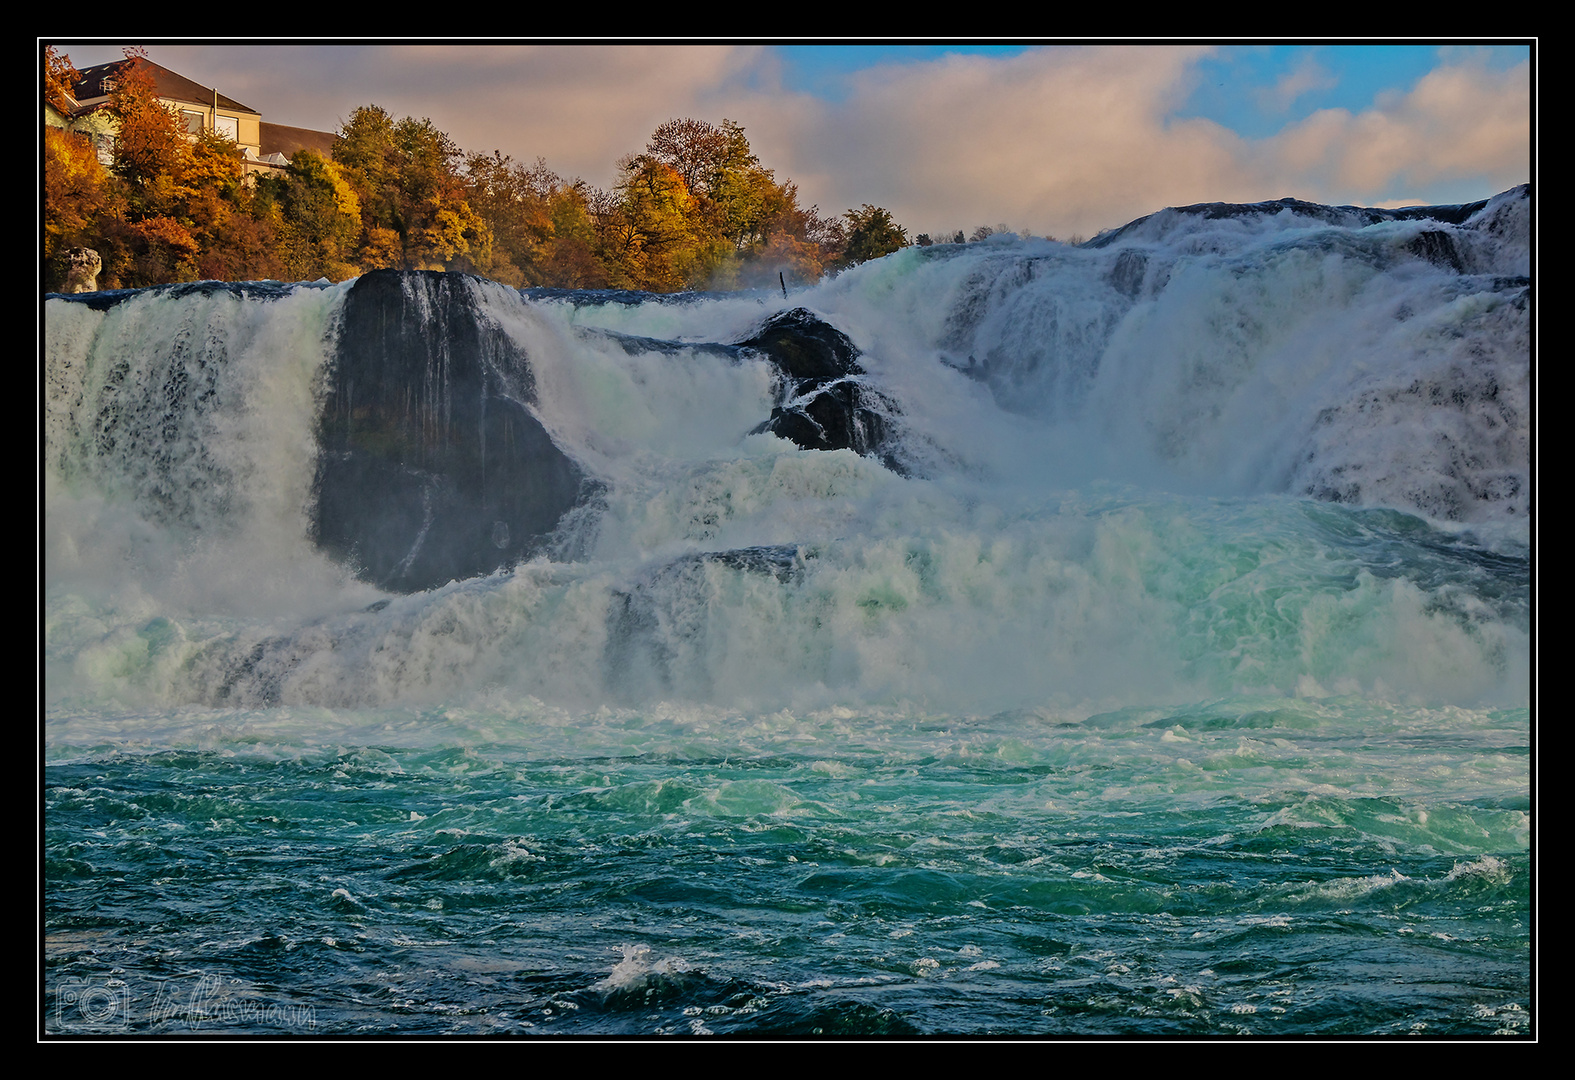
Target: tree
[504, 198]
[75, 193]
[571, 262]
[407, 180]
[59, 77]
[150, 147]
[742, 225]
[320, 219]
[699, 151]
[871, 233]
[645, 230]
[365, 152]
[165, 250]
[984, 232]
[208, 190]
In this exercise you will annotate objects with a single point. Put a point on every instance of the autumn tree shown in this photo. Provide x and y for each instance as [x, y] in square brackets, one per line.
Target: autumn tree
[59, 77]
[140, 236]
[571, 260]
[440, 229]
[213, 201]
[502, 196]
[699, 151]
[698, 210]
[150, 147]
[542, 227]
[76, 191]
[645, 232]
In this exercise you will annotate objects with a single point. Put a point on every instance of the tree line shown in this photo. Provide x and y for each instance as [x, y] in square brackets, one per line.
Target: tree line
[695, 209]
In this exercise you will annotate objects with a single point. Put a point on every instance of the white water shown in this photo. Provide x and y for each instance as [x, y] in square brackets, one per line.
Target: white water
[1112, 510]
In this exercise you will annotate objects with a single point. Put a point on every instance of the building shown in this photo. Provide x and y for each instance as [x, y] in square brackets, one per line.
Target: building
[267, 147]
[280, 142]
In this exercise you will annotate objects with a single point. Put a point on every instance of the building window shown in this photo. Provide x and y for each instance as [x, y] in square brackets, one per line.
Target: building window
[193, 121]
[229, 127]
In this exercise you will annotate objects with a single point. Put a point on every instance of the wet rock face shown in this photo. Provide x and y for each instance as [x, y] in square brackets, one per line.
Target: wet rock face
[1438, 248]
[822, 402]
[431, 467]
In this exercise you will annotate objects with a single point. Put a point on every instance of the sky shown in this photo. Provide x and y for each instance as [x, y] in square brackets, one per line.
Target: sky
[1061, 140]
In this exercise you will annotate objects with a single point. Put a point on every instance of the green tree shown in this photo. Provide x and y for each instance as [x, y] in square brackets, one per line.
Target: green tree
[406, 176]
[365, 153]
[870, 234]
[319, 219]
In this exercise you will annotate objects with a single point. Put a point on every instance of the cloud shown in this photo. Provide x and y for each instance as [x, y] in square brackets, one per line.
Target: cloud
[1062, 140]
[583, 108]
[1307, 76]
[1071, 140]
[1462, 121]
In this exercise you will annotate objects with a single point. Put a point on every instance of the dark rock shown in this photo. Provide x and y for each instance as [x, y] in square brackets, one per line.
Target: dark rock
[822, 400]
[805, 347]
[241, 290]
[784, 562]
[431, 465]
[1438, 248]
[1126, 277]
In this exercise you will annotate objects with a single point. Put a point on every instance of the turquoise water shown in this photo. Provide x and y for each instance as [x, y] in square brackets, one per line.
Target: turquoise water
[1267, 866]
[1180, 686]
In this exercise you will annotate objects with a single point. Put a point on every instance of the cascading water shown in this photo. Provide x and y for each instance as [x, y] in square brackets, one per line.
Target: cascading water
[999, 637]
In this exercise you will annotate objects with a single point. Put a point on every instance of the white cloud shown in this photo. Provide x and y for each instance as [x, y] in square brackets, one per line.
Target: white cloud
[1077, 139]
[1061, 140]
[1308, 75]
[1462, 121]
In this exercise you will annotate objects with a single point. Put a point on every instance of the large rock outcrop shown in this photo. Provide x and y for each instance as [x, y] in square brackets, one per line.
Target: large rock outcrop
[431, 465]
[823, 402]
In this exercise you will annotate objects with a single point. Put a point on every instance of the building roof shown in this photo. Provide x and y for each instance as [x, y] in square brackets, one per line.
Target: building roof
[286, 140]
[95, 83]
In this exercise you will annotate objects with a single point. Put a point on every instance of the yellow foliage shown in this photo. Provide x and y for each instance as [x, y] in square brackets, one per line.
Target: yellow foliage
[381, 251]
[74, 188]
